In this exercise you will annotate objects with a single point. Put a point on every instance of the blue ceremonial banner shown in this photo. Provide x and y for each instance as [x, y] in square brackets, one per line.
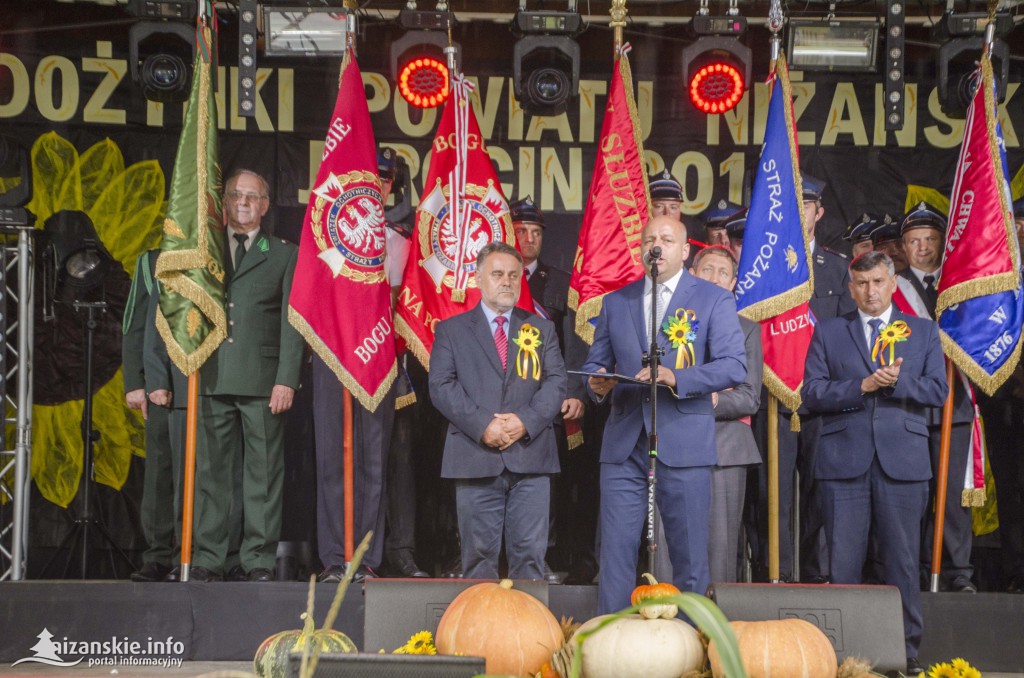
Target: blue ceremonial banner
[775, 264]
[775, 276]
[980, 308]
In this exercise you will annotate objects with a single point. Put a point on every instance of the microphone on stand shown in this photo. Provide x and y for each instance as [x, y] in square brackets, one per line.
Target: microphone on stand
[652, 257]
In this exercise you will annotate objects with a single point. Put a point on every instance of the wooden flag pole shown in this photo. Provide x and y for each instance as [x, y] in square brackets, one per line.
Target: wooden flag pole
[189, 490]
[942, 480]
[773, 489]
[349, 478]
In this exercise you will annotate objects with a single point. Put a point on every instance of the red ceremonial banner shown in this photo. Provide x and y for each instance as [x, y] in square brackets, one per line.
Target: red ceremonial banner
[981, 255]
[341, 300]
[462, 209]
[785, 339]
[608, 251]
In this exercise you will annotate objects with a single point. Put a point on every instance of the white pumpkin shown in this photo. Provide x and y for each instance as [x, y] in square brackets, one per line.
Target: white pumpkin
[634, 647]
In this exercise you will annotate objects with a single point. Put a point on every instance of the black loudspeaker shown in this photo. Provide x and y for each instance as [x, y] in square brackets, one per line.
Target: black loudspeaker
[390, 666]
[398, 608]
[861, 621]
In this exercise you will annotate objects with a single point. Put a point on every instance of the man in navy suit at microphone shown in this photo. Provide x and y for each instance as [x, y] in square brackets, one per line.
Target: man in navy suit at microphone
[699, 331]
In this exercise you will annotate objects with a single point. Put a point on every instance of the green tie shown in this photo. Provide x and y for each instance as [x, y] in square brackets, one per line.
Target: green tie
[241, 239]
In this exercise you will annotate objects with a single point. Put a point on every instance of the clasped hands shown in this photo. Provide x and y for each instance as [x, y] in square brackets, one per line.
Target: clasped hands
[883, 377]
[503, 431]
[603, 385]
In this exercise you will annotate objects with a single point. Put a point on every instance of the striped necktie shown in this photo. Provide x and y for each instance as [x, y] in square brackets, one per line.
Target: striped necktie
[501, 340]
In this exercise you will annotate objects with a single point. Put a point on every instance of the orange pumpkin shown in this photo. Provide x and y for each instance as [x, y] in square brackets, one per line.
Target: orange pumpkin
[512, 630]
[652, 589]
[782, 648]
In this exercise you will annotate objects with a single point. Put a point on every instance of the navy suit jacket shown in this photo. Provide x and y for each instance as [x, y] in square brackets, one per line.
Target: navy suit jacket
[891, 423]
[686, 422]
[468, 386]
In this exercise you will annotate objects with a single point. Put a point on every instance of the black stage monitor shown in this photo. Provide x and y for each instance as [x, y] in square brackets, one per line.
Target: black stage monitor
[390, 666]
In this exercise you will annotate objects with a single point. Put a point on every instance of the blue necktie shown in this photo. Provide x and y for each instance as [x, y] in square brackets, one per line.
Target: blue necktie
[876, 330]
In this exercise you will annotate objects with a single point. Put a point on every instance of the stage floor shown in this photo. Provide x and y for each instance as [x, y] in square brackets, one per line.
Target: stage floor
[220, 625]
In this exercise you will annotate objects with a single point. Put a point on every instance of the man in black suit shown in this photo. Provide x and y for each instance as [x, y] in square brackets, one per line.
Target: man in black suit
[573, 530]
[497, 375]
[872, 375]
[923, 232]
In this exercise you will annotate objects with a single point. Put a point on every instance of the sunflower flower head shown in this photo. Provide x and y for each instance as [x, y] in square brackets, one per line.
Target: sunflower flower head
[943, 670]
[420, 643]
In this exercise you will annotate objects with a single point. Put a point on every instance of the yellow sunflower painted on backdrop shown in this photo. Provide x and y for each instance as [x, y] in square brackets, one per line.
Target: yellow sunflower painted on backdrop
[126, 205]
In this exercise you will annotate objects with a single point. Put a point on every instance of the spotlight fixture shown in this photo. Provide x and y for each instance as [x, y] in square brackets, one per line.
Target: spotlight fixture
[717, 65]
[546, 59]
[304, 31]
[161, 48]
[894, 57]
[832, 45]
[419, 62]
[955, 62]
[78, 259]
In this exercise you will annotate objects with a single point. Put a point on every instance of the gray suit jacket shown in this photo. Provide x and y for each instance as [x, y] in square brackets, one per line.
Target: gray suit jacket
[468, 386]
[734, 439]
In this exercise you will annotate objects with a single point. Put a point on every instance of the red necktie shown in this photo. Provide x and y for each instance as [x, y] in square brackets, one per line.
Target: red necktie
[501, 340]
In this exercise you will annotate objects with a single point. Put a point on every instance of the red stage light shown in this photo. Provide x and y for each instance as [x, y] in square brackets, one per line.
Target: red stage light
[423, 82]
[716, 88]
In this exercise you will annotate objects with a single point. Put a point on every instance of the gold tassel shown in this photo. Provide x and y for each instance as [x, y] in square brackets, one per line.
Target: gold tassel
[794, 423]
[575, 440]
[974, 497]
[405, 400]
[459, 296]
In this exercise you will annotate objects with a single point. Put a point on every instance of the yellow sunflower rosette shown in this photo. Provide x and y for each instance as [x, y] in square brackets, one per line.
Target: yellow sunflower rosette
[527, 359]
[681, 329]
[890, 335]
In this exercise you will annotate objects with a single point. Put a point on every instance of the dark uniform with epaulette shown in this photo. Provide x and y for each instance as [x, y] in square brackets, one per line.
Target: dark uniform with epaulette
[957, 533]
[830, 299]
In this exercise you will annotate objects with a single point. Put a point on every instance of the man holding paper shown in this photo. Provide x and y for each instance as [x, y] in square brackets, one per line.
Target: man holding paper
[704, 353]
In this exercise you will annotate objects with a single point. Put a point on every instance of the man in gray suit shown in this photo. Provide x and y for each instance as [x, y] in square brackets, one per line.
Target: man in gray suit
[497, 375]
[733, 436]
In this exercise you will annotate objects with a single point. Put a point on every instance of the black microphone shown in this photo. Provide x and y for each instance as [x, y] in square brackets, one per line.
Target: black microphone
[653, 254]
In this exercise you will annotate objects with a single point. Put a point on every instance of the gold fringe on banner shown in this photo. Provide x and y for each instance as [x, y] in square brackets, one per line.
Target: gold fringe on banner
[785, 395]
[405, 400]
[780, 303]
[634, 118]
[973, 498]
[1001, 282]
[575, 440]
[368, 400]
[412, 341]
[988, 383]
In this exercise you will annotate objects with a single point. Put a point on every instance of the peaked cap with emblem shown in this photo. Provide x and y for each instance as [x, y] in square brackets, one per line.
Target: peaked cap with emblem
[861, 231]
[663, 186]
[923, 216]
[717, 215]
[736, 223]
[387, 163]
[525, 211]
[887, 229]
[812, 186]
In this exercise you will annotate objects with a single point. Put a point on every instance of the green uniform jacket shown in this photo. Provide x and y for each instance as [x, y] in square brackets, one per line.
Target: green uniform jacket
[262, 348]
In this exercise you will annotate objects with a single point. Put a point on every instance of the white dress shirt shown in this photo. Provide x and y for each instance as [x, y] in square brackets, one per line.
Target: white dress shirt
[666, 290]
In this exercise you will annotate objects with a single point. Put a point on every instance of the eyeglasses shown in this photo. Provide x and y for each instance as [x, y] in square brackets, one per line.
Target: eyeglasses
[249, 197]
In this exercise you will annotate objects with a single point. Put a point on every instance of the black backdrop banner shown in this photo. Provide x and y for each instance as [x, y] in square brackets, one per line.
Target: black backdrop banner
[64, 68]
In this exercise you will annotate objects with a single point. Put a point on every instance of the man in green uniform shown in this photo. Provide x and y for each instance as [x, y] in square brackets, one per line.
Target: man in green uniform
[245, 388]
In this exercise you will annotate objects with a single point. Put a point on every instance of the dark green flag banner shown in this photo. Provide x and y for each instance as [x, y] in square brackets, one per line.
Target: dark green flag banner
[190, 269]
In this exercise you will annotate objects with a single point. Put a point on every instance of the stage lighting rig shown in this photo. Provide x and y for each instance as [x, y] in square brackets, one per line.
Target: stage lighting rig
[546, 59]
[717, 65]
[161, 49]
[419, 59]
[963, 36]
[75, 256]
